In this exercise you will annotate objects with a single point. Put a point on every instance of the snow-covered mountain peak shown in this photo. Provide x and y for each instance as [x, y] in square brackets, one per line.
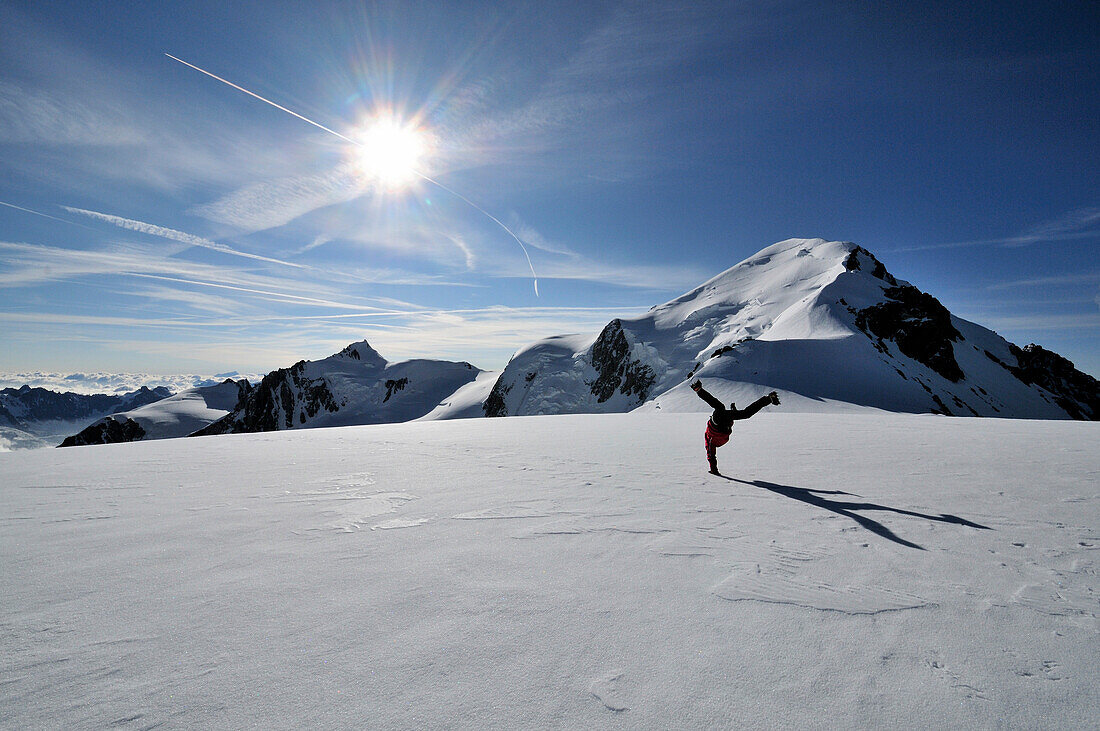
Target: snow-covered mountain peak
[355, 386]
[823, 321]
[362, 352]
[768, 283]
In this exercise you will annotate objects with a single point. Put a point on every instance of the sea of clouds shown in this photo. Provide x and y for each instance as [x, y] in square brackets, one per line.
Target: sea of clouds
[115, 383]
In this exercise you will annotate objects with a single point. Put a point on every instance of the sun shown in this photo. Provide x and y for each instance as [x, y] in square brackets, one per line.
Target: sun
[391, 151]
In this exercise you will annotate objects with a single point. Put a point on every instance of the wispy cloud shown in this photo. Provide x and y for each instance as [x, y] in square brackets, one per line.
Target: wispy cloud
[486, 337]
[270, 204]
[84, 123]
[1081, 223]
[460, 244]
[266, 294]
[32, 264]
[318, 241]
[1078, 225]
[591, 108]
[174, 235]
[1059, 280]
[1085, 321]
[47, 117]
[29, 265]
[69, 319]
[656, 277]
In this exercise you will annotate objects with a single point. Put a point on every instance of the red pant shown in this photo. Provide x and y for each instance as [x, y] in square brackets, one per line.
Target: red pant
[714, 439]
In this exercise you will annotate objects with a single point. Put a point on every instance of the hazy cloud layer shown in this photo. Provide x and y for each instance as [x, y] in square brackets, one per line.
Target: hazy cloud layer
[114, 383]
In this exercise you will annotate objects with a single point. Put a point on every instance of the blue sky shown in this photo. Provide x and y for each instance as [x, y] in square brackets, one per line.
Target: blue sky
[154, 219]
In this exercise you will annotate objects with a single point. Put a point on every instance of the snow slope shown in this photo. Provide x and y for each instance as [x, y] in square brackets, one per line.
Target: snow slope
[822, 322]
[860, 570]
[468, 401]
[175, 416]
[12, 438]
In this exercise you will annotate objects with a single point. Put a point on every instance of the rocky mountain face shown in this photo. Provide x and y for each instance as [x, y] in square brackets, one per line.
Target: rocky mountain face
[354, 386]
[23, 407]
[108, 430]
[176, 416]
[822, 322]
[1076, 392]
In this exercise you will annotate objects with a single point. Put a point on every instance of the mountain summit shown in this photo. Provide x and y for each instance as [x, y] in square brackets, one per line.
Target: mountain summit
[354, 386]
[824, 323]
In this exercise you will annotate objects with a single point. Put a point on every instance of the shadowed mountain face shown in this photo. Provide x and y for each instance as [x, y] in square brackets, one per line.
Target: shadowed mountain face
[823, 322]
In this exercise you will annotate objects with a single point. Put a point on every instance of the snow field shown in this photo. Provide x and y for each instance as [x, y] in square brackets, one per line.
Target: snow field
[570, 571]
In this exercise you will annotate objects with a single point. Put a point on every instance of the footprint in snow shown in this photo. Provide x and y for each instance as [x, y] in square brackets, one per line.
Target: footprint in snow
[608, 691]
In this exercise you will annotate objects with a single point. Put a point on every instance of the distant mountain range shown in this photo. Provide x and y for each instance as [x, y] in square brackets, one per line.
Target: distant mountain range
[35, 417]
[21, 406]
[822, 322]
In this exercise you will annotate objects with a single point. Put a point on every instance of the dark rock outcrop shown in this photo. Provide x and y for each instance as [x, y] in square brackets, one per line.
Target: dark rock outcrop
[919, 325]
[273, 404]
[495, 404]
[1076, 392]
[107, 431]
[393, 386]
[859, 255]
[615, 370]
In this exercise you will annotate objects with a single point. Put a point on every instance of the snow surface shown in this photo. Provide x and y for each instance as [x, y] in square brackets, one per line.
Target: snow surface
[854, 570]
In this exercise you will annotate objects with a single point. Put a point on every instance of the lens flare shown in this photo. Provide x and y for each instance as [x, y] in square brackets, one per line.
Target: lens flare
[390, 151]
[397, 149]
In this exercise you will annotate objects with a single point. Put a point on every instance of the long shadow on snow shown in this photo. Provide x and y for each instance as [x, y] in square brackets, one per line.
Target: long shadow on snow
[813, 497]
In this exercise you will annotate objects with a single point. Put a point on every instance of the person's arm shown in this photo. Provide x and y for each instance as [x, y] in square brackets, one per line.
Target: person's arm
[705, 395]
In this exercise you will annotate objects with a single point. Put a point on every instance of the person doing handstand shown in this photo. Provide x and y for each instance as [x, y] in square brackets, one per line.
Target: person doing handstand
[720, 425]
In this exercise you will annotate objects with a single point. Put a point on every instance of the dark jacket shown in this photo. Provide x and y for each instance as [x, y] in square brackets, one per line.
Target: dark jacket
[722, 419]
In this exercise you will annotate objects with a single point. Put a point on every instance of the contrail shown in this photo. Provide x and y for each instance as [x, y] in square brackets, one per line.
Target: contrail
[45, 215]
[467, 201]
[169, 233]
[491, 217]
[266, 101]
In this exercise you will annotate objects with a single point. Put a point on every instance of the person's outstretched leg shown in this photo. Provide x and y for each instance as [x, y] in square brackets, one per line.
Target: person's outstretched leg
[757, 405]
